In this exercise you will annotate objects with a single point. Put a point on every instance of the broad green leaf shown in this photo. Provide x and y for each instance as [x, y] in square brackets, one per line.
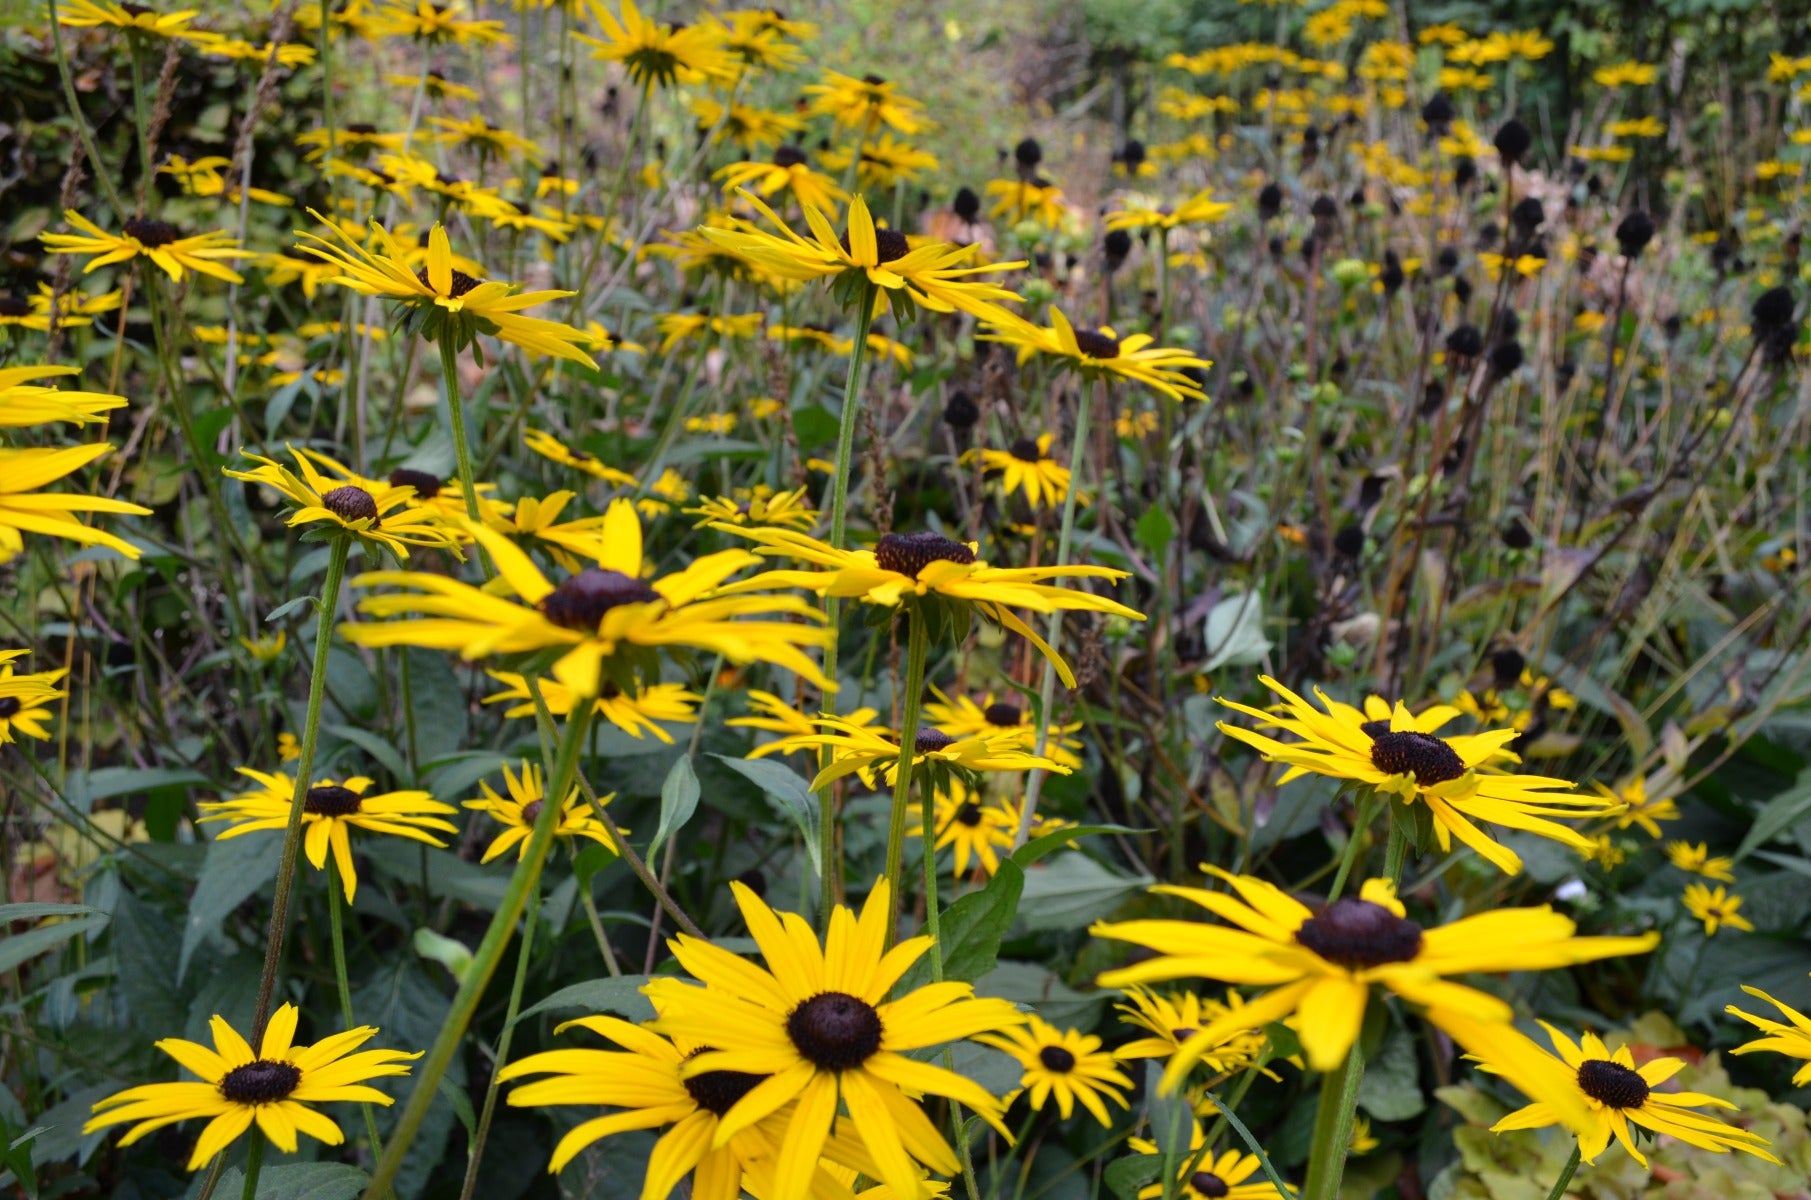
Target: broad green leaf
[235, 869]
[678, 801]
[1234, 632]
[1391, 1087]
[379, 748]
[21, 947]
[298, 1181]
[1778, 815]
[1172, 1119]
[450, 953]
[33, 911]
[1126, 1177]
[1155, 531]
[1072, 889]
[789, 791]
[620, 996]
[972, 928]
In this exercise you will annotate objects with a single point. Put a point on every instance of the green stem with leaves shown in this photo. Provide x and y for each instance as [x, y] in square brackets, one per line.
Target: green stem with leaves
[337, 926]
[509, 1032]
[917, 645]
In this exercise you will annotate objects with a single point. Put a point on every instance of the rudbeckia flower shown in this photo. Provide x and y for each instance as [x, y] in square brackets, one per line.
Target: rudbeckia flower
[818, 1021]
[932, 276]
[522, 807]
[1171, 1019]
[137, 18]
[329, 810]
[1792, 1040]
[656, 52]
[159, 241]
[438, 24]
[748, 127]
[1399, 752]
[549, 445]
[1199, 209]
[1618, 1093]
[866, 103]
[789, 171]
[1321, 964]
[776, 715]
[972, 829]
[1036, 199]
[1638, 807]
[906, 567]
[595, 616]
[274, 1086]
[1064, 1065]
[24, 509]
[1026, 466]
[1207, 1176]
[1103, 354]
[1700, 861]
[1716, 908]
[632, 712]
[857, 748]
[992, 715]
[885, 162]
[375, 511]
[438, 293]
[760, 505]
[23, 404]
[22, 699]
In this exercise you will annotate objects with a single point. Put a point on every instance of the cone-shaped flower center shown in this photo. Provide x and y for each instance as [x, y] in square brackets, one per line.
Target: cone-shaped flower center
[1208, 1184]
[462, 283]
[910, 553]
[1422, 755]
[350, 503]
[1357, 934]
[1057, 1059]
[1612, 1083]
[151, 234]
[1006, 715]
[531, 812]
[582, 601]
[889, 244]
[10, 706]
[426, 486]
[330, 800]
[260, 1082]
[835, 1031]
[718, 1091]
[14, 306]
[929, 741]
[1026, 450]
[1096, 344]
[969, 814]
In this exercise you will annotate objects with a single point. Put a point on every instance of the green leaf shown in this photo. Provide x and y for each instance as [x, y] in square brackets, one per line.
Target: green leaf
[678, 801]
[1235, 632]
[380, 749]
[298, 1181]
[1155, 531]
[450, 953]
[1037, 848]
[620, 995]
[1172, 1119]
[972, 928]
[85, 787]
[441, 714]
[31, 912]
[235, 870]
[1778, 815]
[1072, 889]
[789, 792]
[1391, 1087]
[33, 942]
[288, 606]
[1126, 1177]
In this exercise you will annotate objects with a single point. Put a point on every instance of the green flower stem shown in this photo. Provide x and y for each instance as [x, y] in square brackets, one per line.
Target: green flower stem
[1251, 1143]
[477, 976]
[1367, 806]
[503, 1040]
[1558, 1191]
[917, 639]
[254, 1164]
[1398, 845]
[462, 450]
[292, 833]
[325, 50]
[337, 925]
[1333, 1128]
[1034, 785]
[141, 119]
[839, 536]
[75, 113]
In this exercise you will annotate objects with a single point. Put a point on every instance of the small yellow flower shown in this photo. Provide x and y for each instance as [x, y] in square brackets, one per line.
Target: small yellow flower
[1699, 861]
[1062, 1064]
[522, 807]
[266, 648]
[1716, 907]
[158, 241]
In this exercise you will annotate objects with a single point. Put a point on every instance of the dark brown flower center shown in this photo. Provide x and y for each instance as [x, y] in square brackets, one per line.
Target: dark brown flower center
[1057, 1059]
[889, 245]
[331, 800]
[1003, 714]
[1357, 934]
[1026, 450]
[582, 601]
[910, 553]
[1422, 755]
[10, 706]
[151, 233]
[789, 156]
[1208, 1184]
[969, 814]
[426, 486]
[260, 1082]
[137, 10]
[1096, 344]
[929, 741]
[462, 283]
[14, 306]
[1375, 729]
[718, 1091]
[835, 1031]
[1184, 1034]
[531, 812]
[350, 503]
[1612, 1083]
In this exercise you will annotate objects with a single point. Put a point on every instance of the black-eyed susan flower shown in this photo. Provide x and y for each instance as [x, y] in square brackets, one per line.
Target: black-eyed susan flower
[1638, 807]
[1401, 754]
[330, 810]
[993, 715]
[907, 567]
[274, 1087]
[1103, 354]
[866, 103]
[675, 328]
[1791, 1038]
[1199, 209]
[884, 163]
[788, 171]
[658, 52]
[1698, 860]
[647, 1085]
[1034, 199]
[817, 1020]
[604, 620]
[23, 699]
[759, 505]
[635, 712]
[1618, 1093]
[1320, 964]
[1026, 466]
[858, 748]
[1171, 1019]
[24, 508]
[548, 445]
[518, 811]
[973, 830]
[442, 300]
[266, 648]
[1203, 1175]
[753, 129]
[1716, 908]
[1065, 1065]
[160, 242]
[777, 715]
[135, 18]
[436, 24]
[326, 492]
[25, 404]
[485, 140]
[934, 276]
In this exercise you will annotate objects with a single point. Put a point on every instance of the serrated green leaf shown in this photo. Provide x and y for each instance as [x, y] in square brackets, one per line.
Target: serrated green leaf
[972, 928]
[620, 995]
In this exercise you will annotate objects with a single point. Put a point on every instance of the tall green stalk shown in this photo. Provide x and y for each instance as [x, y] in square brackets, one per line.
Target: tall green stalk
[462, 450]
[337, 927]
[254, 1164]
[508, 1035]
[1333, 1128]
[484, 962]
[917, 644]
[1558, 1190]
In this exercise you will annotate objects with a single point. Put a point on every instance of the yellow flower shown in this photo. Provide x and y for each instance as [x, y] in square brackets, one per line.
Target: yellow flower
[750, 128]
[1793, 1040]
[479, 135]
[24, 405]
[273, 1087]
[1716, 907]
[1036, 199]
[1026, 467]
[1626, 74]
[548, 445]
[1103, 354]
[158, 241]
[867, 103]
[654, 52]
[1199, 209]
[775, 715]
[1639, 808]
[675, 328]
[135, 18]
[329, 810]
[993, 716]
[438, 293]
[635, 713]
[22, 699]
[24, 509]
[972, 830]
[1062, 1064]
[1605, 852]
[909, 567]
[434, 84]
[437, 24]
[760, 505]
[789, 171]
[1525, 265]
[605, 618]
[519, 811]
[202, 177]
[931, 276]
[1171, 1020]
[885, 162]
[267, 648]
[1699, 861]
[328, 492]
[857, 748]
[1203, 1175]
